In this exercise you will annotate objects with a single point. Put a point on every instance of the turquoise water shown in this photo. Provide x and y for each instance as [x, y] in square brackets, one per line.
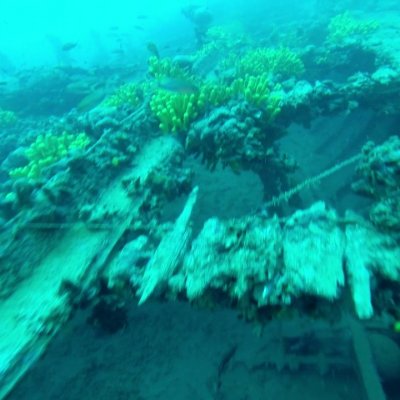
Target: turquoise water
[200, 200]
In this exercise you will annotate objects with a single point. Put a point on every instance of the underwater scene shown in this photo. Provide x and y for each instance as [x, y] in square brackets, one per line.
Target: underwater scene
[200, 200]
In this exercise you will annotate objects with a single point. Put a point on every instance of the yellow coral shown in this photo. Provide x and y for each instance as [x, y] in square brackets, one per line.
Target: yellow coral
[226, 37]
[46, 150]
[343, 26]
[271, 61]
[129, 94]
[165, 68]
[214, 94]
[175, 111]
[256, 90]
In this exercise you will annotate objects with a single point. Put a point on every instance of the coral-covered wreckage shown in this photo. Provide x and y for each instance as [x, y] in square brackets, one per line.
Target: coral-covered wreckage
[83, 200]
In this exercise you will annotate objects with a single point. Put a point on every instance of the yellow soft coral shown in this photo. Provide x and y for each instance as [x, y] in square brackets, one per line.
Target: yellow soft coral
[256, 90]
[46, 150]
[129, 94]
[175, 111]
[343, 27]
[165, 68]
[214, 94]
[280, 61]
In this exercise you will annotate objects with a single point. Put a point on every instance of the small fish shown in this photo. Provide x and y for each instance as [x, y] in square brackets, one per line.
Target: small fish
[69, 46]
[153, 49]
[142, 16]
[178, 85]
[138, 27]
[91, 100]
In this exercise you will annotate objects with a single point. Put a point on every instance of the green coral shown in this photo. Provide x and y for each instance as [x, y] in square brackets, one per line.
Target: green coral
[7, 118]
[225, 37]
[129, 94]
[46, 150]
[219, 39]
[165, 68]
[280, 61]
[175, 111]
[343, 27]
[256, 90]
[215, 94]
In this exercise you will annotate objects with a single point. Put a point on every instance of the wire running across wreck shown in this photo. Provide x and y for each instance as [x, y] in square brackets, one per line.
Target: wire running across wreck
[285, 196]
